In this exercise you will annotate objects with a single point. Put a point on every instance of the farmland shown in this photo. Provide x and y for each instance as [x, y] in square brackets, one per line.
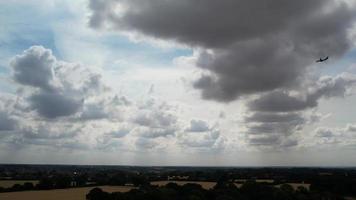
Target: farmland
[59, 194]
[10, 183]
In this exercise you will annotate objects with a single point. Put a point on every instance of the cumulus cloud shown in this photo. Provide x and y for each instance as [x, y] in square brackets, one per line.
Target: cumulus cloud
[206, 141]
[201, 136]
[324, 132]
[56, 88]
[34, 67]
[154, 120]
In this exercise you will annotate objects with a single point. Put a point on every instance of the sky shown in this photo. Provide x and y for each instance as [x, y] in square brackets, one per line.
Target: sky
[178, 83]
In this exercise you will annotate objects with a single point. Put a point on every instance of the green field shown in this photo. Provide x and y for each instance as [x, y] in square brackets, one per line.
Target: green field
[10, 183]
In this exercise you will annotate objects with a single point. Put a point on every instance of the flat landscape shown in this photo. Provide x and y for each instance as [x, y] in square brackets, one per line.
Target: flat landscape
[59, 194]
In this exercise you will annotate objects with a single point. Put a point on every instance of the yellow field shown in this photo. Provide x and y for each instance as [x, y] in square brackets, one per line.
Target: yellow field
[60, 194]
[10, 183]
[205, 185]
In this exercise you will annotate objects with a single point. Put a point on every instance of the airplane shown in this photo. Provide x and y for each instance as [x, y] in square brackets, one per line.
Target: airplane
[322, 60]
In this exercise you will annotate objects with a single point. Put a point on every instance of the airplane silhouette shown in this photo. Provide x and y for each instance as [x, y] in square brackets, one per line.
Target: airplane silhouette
[322, 60]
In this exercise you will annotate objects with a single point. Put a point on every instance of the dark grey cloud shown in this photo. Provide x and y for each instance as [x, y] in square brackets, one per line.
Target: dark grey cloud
[273, 140]
[34, 67]
[273, 129]
[282, 128]
[274, 117]
[52, 105]
[202, 22]
[248, 46]
[283, 101]
[280, 114]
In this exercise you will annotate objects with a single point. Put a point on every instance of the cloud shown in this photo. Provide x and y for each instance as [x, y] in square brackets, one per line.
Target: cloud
[278, 115]
[273, 117]
[143, 143]
[119, 133]
[34, 67]
[324, 133]
[52, 105]
[7, 123]
[198, 126]
[283, 101]
[46, 131]
[202, 137]
[265, 140]
[154, 120]
[240, 54]
[351, 128]
[56, 88]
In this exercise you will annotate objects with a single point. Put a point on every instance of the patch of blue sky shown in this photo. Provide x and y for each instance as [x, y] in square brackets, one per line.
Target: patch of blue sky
[22, 26]
[333, 67]
[3, 70]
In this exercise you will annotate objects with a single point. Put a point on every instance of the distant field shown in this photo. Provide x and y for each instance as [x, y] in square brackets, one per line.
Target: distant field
[10, 183]
[205, 185]
[60, 194]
